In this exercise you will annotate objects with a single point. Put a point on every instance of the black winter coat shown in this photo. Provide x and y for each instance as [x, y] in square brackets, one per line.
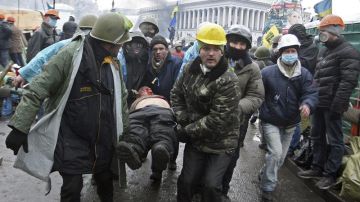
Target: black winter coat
[161, 83]
[41, 39]
[307, 55]
[336, 75]
[87, 130]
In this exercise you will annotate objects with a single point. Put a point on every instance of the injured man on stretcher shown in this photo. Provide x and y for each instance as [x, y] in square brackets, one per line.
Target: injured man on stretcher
[152, 127]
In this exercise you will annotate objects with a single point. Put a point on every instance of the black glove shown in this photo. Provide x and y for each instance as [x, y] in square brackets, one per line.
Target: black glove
[15, 140]
[334, 115]
[181, 134]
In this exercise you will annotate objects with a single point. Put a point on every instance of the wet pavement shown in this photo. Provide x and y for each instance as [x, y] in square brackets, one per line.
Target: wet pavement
[244, 185]
[16, 185]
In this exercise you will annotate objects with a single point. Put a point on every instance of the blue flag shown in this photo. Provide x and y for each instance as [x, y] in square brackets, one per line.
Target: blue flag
[173, 22]
[323, 8]
[48, 6]
[173, 15]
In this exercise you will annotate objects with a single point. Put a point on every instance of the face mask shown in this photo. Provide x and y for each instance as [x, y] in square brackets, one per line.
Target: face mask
[289, 58]
[235, 53]
[52, 22]
[323, 37]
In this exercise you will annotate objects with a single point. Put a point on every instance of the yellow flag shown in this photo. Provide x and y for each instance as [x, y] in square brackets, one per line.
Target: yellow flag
[266, 40]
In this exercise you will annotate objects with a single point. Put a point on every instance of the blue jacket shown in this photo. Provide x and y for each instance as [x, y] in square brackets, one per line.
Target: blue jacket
[34, 67]
[162, 83]
[284, 95]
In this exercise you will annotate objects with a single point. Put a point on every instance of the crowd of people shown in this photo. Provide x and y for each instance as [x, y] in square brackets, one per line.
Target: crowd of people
[105, 94]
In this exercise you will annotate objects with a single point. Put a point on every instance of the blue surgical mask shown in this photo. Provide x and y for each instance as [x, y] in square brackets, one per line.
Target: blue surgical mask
[52, 22]
[289, 58]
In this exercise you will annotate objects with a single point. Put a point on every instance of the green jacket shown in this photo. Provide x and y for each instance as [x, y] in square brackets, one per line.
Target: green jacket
[251, 88]
[54, 84]
[207, 106]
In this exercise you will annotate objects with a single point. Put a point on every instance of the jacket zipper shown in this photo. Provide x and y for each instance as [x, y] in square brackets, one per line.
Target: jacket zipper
[99, 123]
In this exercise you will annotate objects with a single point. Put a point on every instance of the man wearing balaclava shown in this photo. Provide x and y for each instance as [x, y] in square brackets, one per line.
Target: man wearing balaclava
[289, 92]
[308, 50]
[336, 75]
[149, 27]
[251, 87]
[134, 59]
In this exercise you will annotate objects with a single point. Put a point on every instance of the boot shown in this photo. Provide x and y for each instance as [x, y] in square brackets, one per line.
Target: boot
[127, 154]
[160, 159]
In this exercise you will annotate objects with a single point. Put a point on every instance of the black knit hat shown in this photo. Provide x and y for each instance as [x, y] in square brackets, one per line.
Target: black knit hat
[298, 30]
[158, 39]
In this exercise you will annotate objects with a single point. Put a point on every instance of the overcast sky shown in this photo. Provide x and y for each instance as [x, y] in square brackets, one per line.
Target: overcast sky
[106, 4]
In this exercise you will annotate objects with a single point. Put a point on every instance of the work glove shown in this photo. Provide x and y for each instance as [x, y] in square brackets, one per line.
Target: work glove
[15, 140]
[181, 134]
[334, 115]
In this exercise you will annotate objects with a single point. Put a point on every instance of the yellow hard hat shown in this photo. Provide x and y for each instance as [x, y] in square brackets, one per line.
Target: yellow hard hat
[211, 33]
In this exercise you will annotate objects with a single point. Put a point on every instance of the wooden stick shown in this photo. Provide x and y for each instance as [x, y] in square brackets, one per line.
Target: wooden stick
[5, 71]
[122, 175]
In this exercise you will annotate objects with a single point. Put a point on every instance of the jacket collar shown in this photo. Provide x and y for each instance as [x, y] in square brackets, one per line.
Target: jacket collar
[99, 52]
[47, 28]
[215, 73]
[297, 67]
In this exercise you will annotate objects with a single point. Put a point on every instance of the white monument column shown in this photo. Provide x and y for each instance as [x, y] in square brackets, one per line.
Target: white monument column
[218, 16]
[258, 20]
[197, 18]
[247, 18]
[188, 19]
[208, 14]
[241, 22]
[224, 16]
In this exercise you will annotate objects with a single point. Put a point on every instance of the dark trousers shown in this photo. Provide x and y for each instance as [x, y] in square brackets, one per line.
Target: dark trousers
[72, 185]
[17, 59]
[4, 57]
[176, 152]
[203, 170]
[328, 147]
[152, 125]
[230, 170]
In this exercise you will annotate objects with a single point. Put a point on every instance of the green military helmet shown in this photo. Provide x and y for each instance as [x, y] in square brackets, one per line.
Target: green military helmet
[152, 21]
[112, 28]
[88, 21]
[262, 53]
[253, 49]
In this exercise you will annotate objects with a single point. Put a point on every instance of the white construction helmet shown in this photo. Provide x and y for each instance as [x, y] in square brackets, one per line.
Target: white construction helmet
[288, 40]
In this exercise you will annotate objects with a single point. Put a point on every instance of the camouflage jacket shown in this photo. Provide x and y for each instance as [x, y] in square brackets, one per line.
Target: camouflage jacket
[207, 106]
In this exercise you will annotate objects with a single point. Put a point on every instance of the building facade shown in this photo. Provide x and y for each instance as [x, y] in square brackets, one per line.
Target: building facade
[251, 13]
